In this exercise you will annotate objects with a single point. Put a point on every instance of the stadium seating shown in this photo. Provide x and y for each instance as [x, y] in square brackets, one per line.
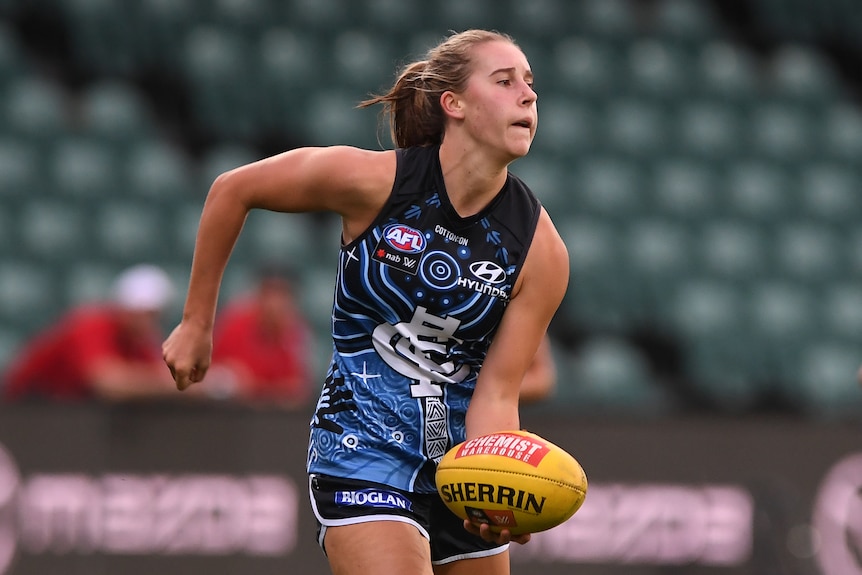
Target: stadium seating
[610, 376]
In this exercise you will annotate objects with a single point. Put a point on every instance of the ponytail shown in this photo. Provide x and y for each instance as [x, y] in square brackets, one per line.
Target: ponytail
[412, 104]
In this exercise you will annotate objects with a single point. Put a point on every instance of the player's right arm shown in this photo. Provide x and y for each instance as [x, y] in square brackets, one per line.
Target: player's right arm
[351, 182]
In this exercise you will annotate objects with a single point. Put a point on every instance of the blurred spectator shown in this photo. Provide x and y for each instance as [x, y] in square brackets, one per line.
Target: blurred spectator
[109, 350]
[262, 345]
[540, 381]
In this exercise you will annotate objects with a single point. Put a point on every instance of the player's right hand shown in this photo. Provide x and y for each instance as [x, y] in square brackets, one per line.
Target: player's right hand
[484, 531]
[188, 352]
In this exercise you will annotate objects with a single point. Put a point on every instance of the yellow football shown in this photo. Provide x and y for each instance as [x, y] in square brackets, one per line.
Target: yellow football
[511, 480]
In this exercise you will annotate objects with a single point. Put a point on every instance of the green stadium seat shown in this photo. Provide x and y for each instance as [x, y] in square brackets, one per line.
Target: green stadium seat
[88, 281]
[159, 171]
[184, 221]
[635, 128]
[614, 20]
[683, 189]
[567, 126]
[115, 112]
[801, 73]
[852, 252]
[826, 387]
[585, 67]
[783, 321]
[130, 232]
[216, 62]
[10, 244]
[332, 118]
[316, 16]
[721, 370]
[780, 131]
[758, 191]
[287, 63]
[842, 311]
[465, 14]
[782, 309]
[839, 134]
[295, 237]
[609, 186]
[690, 22]
[27, 295]
[593, 244]
[658, 69]
[727, 71]
[700, 306]
[396, 17]
[709, 129]
[807, 252]
[83, 168]
[732, 250]
[596, 298]
[160, 28]
[316, 292]
[829, 193]
[246, 17]
[547, 179]
[10, 343]
[609, 375]
[417, 44]
[720, 362]
[11, 57]
[36, 110]
[363, 62]
[20, 169]
[103, 35]
[657, 246]
[52, 230]
[656, 251]
[537, 19]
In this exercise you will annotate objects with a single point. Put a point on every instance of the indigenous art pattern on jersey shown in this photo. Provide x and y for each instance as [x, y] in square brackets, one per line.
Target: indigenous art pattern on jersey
[418, 299]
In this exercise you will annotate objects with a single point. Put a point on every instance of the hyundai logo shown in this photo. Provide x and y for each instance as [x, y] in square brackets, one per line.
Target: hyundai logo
[488, 272]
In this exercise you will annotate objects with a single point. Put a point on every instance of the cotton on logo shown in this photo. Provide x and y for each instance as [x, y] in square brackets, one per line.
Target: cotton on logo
[489, 272]
[9, 482]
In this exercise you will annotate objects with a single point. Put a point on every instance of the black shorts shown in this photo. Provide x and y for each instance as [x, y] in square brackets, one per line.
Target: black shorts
[336, 501]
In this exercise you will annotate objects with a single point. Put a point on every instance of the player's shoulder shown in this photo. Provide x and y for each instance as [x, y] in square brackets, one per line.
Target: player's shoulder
[368, 161]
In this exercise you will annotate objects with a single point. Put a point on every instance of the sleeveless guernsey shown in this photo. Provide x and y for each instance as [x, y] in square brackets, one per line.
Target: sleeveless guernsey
[418, 298]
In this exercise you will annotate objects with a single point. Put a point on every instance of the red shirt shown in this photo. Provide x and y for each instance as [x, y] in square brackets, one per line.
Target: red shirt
[277, 363]
[56, 363]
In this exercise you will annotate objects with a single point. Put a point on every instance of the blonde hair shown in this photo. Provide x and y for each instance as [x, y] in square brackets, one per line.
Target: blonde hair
[412, 104]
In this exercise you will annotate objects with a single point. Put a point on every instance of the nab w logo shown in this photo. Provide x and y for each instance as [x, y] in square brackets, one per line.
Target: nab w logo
[404, 238]
[488, 272]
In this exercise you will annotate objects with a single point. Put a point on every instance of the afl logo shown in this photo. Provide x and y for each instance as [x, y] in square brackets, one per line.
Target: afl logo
[488, 272]
[404, 238]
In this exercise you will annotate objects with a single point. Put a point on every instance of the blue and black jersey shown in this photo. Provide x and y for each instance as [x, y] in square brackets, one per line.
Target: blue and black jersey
[418, 299]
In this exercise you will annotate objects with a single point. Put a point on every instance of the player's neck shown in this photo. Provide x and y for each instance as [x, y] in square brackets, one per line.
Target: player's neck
[472, 179]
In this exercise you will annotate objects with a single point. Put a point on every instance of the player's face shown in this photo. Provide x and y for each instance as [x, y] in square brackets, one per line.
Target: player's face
[500, 102]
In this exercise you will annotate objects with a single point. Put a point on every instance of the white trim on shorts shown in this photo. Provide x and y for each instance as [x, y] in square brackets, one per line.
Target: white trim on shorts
[474, 555]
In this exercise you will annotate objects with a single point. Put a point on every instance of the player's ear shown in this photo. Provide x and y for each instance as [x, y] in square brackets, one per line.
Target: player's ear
[452, 105]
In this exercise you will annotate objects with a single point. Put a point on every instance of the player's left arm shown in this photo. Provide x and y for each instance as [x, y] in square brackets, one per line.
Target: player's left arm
[542, 285]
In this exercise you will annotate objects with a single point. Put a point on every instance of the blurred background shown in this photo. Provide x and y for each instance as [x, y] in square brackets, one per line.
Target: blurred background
[700, 158]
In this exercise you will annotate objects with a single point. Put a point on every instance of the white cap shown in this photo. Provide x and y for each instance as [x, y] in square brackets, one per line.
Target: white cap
[143, 287]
